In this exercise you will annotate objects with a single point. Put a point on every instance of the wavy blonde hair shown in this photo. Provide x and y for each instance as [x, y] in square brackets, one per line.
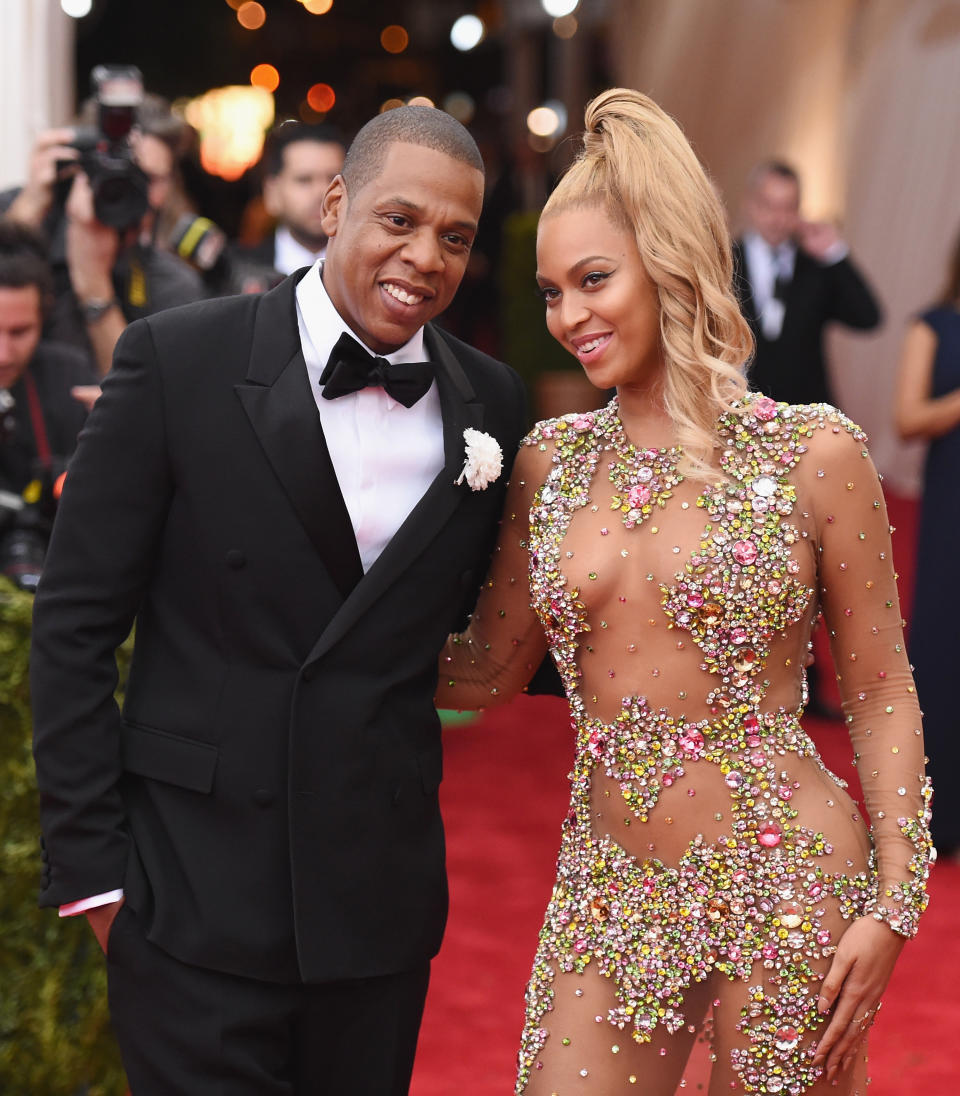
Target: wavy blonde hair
[639, 167]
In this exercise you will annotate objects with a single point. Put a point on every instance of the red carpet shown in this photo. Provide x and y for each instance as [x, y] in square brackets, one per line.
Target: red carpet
[504, 796]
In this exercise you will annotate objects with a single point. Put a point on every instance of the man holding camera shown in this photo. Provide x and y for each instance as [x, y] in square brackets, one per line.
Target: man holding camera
[107, 270]
[39, 414]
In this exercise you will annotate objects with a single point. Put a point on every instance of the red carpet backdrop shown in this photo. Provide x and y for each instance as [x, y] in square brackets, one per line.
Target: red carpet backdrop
[505, 795]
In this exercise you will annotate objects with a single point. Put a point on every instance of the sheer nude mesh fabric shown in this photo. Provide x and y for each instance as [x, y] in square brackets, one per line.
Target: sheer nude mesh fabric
[709, 862]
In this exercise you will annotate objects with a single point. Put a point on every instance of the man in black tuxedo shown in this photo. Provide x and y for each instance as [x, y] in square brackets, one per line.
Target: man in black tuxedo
[256, 838]
[793, 278]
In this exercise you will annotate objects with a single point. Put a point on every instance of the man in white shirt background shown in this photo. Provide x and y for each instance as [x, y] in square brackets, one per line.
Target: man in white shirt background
[794, 277]
[300, 161]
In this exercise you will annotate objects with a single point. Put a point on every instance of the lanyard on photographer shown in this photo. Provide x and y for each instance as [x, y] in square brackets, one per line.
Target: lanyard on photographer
[36, 420]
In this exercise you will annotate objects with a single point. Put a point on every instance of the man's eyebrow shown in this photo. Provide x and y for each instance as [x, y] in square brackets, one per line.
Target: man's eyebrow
[405, 203]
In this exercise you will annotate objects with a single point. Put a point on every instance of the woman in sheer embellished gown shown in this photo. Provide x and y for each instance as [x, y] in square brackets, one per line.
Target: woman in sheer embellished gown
[716, 884]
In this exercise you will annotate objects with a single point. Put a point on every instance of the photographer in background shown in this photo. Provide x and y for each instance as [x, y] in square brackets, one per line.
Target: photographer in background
[39, 414]
[97, 193]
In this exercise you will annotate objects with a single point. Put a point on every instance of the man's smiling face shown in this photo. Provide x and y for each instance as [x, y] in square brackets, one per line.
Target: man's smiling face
[399, 246]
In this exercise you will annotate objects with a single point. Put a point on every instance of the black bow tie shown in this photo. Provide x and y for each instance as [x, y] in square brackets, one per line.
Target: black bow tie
[350, 368]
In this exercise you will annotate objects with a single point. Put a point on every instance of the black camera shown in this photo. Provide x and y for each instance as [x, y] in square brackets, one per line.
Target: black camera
[25, 519]
[119, 186]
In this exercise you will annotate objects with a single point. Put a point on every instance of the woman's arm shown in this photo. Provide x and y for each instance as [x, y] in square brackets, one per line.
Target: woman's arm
[862, 611]
[501, 649]
[918, 414]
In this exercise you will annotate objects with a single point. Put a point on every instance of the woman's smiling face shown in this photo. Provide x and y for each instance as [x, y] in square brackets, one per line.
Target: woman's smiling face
[602, 305]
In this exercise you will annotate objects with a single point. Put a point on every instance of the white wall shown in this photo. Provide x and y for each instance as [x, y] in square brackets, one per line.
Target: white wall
[36, 78]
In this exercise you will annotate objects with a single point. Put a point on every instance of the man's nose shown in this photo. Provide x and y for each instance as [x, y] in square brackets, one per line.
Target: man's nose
[423, 251]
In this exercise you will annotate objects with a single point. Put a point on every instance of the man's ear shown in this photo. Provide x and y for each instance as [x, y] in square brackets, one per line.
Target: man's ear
[271, 199]
[335, 204]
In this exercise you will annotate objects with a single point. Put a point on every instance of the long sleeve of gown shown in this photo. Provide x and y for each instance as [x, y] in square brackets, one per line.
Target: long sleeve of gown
[858, 593]
[503, 646]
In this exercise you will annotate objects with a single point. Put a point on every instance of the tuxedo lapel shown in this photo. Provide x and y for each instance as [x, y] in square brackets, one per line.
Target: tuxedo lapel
[460, 410]
[283, 413]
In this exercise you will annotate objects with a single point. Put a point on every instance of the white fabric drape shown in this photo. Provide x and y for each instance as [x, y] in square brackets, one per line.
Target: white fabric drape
[36, 79]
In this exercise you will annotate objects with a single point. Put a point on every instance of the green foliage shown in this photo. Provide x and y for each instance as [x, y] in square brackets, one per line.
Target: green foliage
[528, 346]
[55, 1036]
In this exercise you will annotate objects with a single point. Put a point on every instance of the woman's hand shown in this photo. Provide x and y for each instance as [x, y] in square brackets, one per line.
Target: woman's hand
[858, 976]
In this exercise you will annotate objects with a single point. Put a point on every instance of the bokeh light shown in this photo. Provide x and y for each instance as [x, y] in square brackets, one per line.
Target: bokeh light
[231, 122]
[394, 39]
[317, 7]
[461, 106]
[566, 26]
[76, 9]
[421, 101]
[321, 98]
[236, 3]
[251, 16]
[559, 8]
[265, 76]
[390, 104]
[543, 121]
[467, 32]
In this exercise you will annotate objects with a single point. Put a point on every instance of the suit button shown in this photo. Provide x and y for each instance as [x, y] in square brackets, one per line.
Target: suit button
[263, 797]
[236, 559]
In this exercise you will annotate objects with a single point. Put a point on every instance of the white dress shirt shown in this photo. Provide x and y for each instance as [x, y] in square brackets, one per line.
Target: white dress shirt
[290, 255]
[385, 455]
[764, 265]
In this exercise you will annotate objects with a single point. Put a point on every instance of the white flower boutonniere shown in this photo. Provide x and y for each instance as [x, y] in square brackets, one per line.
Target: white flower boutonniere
[484, 461]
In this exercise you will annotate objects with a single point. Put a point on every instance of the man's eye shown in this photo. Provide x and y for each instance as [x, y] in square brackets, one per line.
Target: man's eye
[397, 219]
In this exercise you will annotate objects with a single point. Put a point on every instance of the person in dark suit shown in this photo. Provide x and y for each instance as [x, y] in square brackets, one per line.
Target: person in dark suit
[794, 277]
[299, 163]
[295, 521]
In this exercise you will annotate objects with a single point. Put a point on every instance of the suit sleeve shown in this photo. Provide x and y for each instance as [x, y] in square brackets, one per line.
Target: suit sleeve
[851, 300]
[105, 537]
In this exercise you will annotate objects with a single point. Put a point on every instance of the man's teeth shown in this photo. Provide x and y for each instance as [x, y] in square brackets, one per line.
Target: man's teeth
[402, 295]
[585, 348]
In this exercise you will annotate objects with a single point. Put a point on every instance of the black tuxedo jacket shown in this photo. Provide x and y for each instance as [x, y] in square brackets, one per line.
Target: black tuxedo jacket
[793, 366]
[268, 796]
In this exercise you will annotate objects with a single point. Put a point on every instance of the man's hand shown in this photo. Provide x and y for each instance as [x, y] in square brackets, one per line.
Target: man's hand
[92, 247]
[101, 920]
[32, 204]
[817, 238]
[87, 394]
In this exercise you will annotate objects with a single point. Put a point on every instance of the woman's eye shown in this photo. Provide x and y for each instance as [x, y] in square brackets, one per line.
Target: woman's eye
[595, 277]
[548, 293]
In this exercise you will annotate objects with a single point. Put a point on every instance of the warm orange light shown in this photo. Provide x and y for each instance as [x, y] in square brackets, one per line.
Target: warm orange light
[236, 3]
[231, 122]
[266, 77]
[321, 98]
[420, 101]
[394, 39]
[251, 15]
[390, 104]
[317, 7]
